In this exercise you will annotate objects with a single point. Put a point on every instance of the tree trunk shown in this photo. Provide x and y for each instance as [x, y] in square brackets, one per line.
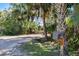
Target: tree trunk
[61, 10]
[41, 13]
[45, 30]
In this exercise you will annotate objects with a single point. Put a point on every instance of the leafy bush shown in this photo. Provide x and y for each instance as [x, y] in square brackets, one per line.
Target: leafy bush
[11, 27]
[29, 27]
[50, 27]
[14, 27]
[73, 42]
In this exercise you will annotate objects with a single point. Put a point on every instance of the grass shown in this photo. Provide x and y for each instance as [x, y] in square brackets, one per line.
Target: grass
[35, 48]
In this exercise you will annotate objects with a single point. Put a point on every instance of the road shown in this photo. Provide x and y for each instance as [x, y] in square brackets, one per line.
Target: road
[8, 44]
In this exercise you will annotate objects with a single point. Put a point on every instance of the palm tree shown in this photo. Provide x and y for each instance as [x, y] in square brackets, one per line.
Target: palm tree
[61, 28]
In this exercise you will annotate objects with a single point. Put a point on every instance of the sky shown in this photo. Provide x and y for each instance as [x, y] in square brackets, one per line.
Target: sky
[4, 6]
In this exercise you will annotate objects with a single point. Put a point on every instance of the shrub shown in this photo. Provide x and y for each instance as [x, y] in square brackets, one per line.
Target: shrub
[11, 27]
[50, 27]
[73, 42]
[29, 27]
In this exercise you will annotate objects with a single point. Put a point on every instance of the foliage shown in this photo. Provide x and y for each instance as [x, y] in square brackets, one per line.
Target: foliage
[50, 27]
[29, 27]
[35, 48]
[73, 40]
[69, 22]
[73, 45]
[11, 27]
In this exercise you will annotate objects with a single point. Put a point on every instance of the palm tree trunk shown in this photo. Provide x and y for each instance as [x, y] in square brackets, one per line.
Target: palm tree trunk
[45, 30]
[61, 28]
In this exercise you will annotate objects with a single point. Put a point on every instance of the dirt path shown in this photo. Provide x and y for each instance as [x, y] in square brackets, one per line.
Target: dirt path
[9, 44]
